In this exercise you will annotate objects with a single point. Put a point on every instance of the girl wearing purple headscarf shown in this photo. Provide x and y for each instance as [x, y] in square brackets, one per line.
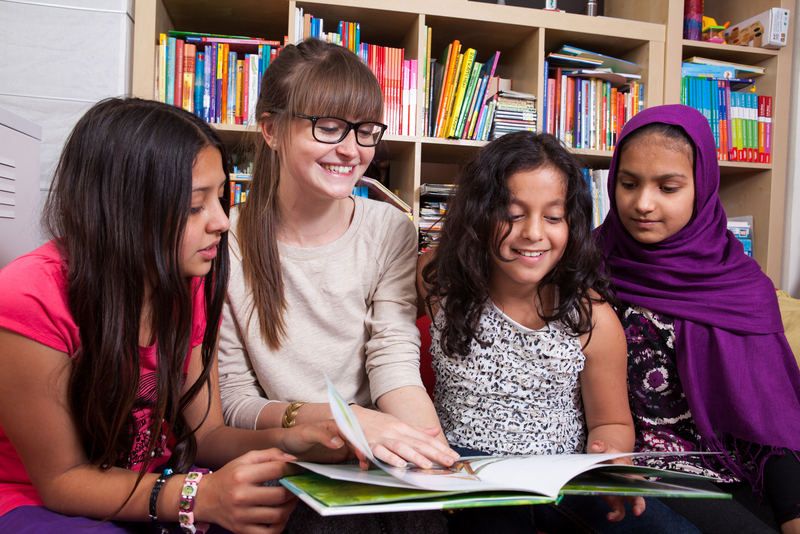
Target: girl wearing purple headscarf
[708, 365]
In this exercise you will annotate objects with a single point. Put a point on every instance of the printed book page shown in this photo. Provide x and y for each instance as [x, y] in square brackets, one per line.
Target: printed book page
[538, 474]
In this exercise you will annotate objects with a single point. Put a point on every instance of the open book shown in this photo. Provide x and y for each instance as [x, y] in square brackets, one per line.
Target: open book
[471, 481]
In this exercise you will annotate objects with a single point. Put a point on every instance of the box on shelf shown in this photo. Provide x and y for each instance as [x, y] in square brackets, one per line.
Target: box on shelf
[767, 30]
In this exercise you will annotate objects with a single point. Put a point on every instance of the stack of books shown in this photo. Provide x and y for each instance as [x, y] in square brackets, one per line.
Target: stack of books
[433, 207]
[590, 97]
[216, 77]
[512, 112]
[740, 119]
[741, 228]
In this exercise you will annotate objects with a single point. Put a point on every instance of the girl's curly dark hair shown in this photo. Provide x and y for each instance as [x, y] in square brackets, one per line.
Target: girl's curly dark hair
[478, 221]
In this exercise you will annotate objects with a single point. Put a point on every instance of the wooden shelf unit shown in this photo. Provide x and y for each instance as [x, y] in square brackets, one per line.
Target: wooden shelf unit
[745, 188]
[523, 36]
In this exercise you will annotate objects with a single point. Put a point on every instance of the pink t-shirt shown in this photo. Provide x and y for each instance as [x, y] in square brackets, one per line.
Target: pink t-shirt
[34, 304]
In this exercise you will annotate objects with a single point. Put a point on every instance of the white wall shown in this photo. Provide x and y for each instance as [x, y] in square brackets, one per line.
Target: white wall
[790, 272]
[59, 57]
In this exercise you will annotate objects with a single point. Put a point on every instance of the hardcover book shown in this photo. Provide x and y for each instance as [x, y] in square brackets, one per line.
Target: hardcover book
[471, 481]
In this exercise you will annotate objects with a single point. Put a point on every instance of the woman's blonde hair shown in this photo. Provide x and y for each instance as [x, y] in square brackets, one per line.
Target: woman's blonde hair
[312, 78]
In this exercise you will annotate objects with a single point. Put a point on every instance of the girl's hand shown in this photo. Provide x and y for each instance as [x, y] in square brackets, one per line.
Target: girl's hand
[235, 498]
[396, 442]
[616, 502]
[318, 442]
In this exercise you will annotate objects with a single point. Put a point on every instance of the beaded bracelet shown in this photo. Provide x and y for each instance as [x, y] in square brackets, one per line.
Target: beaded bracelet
[188, 494]
[154, 499]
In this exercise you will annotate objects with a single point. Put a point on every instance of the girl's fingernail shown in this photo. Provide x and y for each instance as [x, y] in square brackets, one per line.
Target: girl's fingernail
[336, 442]
[596, 444]
[289, 457]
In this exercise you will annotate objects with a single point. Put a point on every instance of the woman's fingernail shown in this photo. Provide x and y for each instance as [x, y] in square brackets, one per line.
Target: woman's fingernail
[289, 457]
[336, 442]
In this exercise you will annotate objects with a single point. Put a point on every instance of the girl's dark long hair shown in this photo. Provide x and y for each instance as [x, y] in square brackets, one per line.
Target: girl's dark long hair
[117, 209]
[312, 78]
[477, 222]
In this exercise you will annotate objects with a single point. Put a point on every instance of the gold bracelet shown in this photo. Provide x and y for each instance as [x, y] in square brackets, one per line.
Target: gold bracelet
[288, 419]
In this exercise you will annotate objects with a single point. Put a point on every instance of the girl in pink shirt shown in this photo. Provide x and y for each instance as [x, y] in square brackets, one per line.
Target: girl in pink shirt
[108, 343]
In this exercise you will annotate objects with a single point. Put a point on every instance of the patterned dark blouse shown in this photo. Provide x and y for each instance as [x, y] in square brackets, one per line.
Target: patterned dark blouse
[661, 414]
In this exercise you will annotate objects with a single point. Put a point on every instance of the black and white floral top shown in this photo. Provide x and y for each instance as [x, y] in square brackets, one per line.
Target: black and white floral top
[518, 395]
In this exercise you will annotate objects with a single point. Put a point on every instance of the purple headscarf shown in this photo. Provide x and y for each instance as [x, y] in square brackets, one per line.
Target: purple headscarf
[737, 370]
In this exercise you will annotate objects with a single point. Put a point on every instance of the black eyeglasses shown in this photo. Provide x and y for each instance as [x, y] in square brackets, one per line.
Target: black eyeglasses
[332, 130]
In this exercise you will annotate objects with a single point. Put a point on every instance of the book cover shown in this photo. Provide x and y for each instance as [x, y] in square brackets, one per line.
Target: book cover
[490, 68]
[199, 83]
[551, 88]
[162, 68]
[592, 113]
[413, 106]
[539, 476]
[187, 99]
[170, 83]
[557, 104]
[426, 79]
[434, 92]
[253, 91]
[462, 83]
[767, 129]
[742, 70]
[604, 115]
[570, 112]
[180, 49]
[613, 63]
[564, 60]
[468, 100]
[474, 98]
[450, 88]
[613, 113]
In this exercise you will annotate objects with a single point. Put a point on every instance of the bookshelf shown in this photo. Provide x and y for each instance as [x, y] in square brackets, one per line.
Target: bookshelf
[755, 189]
[523, 36]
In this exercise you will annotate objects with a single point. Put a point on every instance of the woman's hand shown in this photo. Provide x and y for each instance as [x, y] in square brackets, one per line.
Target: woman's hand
[396, 442]
[318, 442]
[616, 502]
[234, 497]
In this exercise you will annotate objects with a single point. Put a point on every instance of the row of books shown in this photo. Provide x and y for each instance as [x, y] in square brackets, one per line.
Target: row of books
[215, 77]
[397, 76]
[589, 97]
[348, 34]
[741, 122]
[456, 89]
[589, 113]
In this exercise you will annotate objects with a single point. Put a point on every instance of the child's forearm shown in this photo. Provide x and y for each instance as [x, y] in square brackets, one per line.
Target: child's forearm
[411, 405]
[618, 436]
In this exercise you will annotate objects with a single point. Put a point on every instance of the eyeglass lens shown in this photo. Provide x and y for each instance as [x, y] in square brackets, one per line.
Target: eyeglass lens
[333, 130]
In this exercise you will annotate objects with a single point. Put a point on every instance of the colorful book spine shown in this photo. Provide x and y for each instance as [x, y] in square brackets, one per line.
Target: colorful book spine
[180, 50]
[412, 97]
[569, 110]
[170, 82]
[199, 83]
[189, 60]
[767, 129]
[162, 68]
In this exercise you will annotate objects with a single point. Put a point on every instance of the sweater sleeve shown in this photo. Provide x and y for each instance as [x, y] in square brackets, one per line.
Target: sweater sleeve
[242, 396]
[392, 349]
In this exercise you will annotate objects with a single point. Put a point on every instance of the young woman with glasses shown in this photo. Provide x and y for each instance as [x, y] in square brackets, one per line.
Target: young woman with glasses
[322, 281]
